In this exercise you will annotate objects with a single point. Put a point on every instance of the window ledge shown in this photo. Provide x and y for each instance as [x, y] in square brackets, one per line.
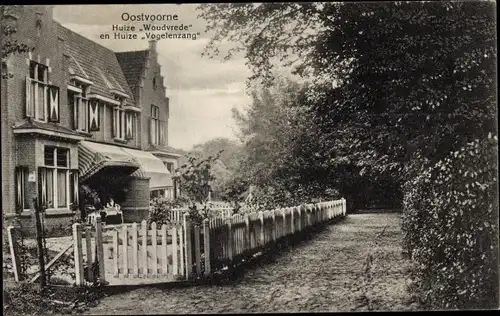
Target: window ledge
[119, 140]
[84, 133]
[49, 211]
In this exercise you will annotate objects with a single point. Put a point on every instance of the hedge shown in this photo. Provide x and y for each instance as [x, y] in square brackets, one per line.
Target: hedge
[450, 225]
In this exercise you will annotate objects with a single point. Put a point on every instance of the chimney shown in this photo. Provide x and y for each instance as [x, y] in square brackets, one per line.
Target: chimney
[152, 45]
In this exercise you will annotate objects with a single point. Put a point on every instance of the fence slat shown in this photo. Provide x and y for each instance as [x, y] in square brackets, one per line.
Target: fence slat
[175, 250]
[261, 218]
[116, 271]
[188, 246]
[164, 246]
[229, 239]
[135, 251]
[154, 250]
[77, 245]
[144, 252]
[197, 250]
[182, 257]
[125, 250]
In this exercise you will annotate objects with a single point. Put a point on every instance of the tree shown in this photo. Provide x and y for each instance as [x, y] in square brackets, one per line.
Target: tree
[395, 86]
[415, 79]
[195, 179]
[228, 152]
[276, 159]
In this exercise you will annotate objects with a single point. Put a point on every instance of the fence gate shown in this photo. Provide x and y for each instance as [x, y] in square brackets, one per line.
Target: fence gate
[130, 254]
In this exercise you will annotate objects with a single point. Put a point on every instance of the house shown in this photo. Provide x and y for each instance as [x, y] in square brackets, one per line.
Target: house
[75, 113]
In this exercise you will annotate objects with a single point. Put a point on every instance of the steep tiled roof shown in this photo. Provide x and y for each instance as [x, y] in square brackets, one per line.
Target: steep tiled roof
[132, 64]
[93, 62]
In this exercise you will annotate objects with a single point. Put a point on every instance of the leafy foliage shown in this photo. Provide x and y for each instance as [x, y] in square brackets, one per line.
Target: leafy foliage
[9, 44]
[451, 228]
[195, 179]
[159, 209]
[224, 167]
[425, 88]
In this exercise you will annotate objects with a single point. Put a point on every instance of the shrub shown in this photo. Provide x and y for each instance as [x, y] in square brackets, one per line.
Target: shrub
[450, 224]
[159, 210]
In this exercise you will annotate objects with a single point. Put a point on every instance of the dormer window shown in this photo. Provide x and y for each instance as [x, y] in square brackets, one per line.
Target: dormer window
[123, 121]
[85, 111]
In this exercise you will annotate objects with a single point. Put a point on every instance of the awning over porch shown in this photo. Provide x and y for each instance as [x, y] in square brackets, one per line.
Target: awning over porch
[93, 157]
[151, 167]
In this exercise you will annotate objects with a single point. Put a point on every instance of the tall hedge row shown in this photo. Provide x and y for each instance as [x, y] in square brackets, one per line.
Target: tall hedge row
[450, 223]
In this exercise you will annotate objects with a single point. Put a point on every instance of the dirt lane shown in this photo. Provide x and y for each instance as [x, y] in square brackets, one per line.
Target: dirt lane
[322, 274]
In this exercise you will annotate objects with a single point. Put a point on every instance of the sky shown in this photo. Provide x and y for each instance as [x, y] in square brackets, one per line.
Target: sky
[202, 91]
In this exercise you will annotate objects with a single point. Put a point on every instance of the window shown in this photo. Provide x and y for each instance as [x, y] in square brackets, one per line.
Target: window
[154, 83]
[42, 99]
[55, 178]
[157, 194]
[170, 166]
[22, 189]
[85, 112]
[123, 123]
[157, 126]
[162, 193]
[36, 91]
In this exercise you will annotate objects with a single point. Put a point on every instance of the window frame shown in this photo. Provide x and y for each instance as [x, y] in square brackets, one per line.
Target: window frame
[21, 178]
[55, 168]
[35, 83]
[119, 123]
[81, 105]
[155, 125]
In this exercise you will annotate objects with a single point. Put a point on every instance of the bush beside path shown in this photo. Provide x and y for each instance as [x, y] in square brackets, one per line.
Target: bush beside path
[355, 265]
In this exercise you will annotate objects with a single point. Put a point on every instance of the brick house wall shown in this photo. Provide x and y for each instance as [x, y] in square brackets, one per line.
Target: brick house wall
[37, 29]
[152, 94]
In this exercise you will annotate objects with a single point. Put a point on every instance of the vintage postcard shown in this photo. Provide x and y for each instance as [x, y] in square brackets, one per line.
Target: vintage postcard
[249, 157]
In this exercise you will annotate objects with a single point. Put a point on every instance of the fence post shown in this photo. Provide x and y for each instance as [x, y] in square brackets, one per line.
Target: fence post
[100, 250]
[14, 252]
[188, 246]
[88, 244]
[292, 220]
[206, 237]
[299, 220]
[247, 233]
[77, 245]
[135, 251]
[343, 206]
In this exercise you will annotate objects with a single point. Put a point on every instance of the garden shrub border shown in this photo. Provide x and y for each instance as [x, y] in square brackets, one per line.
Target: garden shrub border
[450, 225]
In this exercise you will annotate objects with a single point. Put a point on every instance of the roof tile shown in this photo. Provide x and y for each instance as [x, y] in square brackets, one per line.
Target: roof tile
[93, 61]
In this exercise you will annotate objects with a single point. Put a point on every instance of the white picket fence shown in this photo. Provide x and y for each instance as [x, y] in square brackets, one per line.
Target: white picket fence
[185, 250]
